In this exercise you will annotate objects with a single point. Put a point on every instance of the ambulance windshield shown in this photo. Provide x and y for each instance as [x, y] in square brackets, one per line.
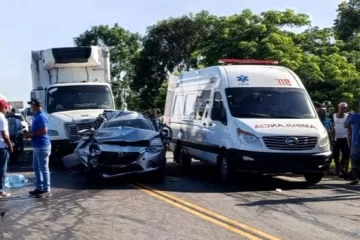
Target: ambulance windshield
[269, 102]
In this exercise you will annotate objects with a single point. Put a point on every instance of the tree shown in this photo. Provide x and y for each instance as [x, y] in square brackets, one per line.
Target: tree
[347, 23]
[124, 50]
[326, 59]
[314, 54]
[168, 46]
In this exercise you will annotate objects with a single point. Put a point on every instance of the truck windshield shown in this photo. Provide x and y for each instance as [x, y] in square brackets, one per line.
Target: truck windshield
[271, 102]
[67, 98]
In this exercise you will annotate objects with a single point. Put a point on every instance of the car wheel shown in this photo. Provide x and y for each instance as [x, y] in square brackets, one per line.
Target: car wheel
[313, 178]
[185, 160]
[93, 178]
[159, 175]
[225, 170]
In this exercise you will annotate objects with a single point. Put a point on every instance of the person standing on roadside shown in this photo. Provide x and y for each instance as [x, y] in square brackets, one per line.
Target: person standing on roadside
[5, 147]
[341, 141]
[326, 121]
[16, 130]
[159, 120]
[354, 123]
[327, 105]
[41, 149]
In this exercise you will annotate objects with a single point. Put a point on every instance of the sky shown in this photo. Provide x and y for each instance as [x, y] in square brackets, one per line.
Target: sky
[28, 25]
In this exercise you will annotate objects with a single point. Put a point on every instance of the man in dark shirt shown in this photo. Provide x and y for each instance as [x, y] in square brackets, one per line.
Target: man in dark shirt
[42, 149]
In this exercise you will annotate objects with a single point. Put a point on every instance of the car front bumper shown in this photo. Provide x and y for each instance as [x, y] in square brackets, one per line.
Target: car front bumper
[146, 163]
[268, 162]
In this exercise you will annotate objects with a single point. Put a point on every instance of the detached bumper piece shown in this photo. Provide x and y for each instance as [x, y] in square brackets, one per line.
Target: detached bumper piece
[247, 161]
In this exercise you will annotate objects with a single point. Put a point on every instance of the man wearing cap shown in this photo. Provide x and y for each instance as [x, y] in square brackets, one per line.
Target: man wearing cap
[354, 122]
[42, 149]
[5, 146]
[341, 141]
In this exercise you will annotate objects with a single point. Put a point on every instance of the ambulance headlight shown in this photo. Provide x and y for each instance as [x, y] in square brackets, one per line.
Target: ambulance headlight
[248, 138]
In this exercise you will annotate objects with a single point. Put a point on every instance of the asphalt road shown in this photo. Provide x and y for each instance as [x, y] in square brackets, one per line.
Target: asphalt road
[185, 206]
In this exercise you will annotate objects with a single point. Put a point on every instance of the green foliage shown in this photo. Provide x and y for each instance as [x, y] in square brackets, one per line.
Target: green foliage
[124, 49]
[347, 23]
[326, 59]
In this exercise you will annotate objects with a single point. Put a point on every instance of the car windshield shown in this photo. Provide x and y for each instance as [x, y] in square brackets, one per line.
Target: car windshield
[134, 123]
[265, 102]
[66, 98]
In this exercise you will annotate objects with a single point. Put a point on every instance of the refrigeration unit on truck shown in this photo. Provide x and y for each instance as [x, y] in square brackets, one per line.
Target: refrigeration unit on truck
[73, 84]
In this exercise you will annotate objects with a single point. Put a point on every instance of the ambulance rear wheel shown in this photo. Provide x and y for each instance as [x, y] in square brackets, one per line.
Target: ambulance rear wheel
[185, 160]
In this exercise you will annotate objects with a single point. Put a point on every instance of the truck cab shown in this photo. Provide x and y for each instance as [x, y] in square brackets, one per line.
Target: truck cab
[74, 87]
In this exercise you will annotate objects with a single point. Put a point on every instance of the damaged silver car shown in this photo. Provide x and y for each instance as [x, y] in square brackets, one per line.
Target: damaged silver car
[121, 143]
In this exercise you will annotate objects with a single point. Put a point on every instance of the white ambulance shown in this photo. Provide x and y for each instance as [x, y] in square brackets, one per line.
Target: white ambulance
[248, 116]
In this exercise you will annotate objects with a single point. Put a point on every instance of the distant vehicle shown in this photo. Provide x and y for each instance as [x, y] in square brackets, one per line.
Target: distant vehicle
[74, 86]
[247, 116]
[28, 116]
[24, 124]
[124, 143]
[22, 120]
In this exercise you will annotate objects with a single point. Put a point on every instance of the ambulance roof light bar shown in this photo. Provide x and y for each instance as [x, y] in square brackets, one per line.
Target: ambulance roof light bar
[226, 61]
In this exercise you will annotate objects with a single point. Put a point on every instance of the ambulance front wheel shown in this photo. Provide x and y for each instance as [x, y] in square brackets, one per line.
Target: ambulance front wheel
[313, 178]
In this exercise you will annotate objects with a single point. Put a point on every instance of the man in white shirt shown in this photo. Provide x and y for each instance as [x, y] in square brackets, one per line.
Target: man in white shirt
[5, 147]
[341, 141]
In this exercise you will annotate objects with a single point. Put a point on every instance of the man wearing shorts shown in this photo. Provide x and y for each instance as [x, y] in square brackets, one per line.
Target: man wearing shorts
[354, 122]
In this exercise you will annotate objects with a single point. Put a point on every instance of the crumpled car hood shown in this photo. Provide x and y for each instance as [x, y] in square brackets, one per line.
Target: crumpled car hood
[125, 134]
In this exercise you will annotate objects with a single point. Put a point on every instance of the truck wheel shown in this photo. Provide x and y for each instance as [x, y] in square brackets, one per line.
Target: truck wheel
[185, 160]
[225, 170]
[313, 178]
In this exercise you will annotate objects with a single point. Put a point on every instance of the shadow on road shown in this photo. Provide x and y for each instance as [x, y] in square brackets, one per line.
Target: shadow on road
[201, 178]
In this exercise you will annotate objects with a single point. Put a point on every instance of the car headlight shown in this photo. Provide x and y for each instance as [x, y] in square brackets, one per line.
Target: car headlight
[53, 133]
[155, 142]
[248, 138]
[94, 150]
[324, 140]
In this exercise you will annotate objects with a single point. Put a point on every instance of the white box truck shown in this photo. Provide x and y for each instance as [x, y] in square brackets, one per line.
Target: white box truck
[73, 84]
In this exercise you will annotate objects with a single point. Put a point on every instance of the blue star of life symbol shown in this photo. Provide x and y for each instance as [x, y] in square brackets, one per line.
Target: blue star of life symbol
[243, 78]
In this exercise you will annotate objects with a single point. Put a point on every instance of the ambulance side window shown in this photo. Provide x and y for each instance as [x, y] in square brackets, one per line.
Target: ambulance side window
[189, 105]
[218, 112]
[201, 102]
[178, 108]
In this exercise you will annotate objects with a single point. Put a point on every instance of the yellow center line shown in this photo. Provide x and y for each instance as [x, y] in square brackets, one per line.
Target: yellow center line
[203, 216]
[206, 211]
